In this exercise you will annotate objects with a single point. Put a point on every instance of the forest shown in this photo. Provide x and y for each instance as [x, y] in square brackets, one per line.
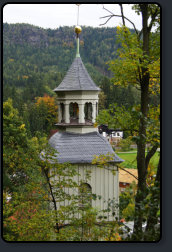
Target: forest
[35, 61]
[125, 64]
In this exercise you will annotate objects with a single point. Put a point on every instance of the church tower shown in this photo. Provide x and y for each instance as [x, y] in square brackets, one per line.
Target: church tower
[77, 140]
[77, 97]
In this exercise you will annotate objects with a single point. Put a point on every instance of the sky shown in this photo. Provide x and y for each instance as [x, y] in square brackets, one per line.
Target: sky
[54, 15]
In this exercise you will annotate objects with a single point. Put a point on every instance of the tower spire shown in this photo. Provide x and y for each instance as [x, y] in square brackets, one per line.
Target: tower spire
[77, 31]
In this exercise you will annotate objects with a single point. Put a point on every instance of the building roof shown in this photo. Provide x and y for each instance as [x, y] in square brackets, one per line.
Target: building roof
[125, 177]
[77, 78]
[80, 148]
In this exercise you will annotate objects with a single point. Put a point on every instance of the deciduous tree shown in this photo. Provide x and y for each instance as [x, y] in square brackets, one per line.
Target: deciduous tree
[138, 65]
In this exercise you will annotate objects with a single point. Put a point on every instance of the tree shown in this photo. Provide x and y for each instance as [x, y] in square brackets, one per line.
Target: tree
[36, 186]
[138, 65]
[14, 142]
[41, 115]
[49, 106]
[127, 202]
[23, 182]
[122, 96]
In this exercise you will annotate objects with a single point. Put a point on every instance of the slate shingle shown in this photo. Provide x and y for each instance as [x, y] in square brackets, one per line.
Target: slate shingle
[77, 78]
[80, 148]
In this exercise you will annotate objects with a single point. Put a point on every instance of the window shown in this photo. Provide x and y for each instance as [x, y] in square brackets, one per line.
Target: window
[74, 111]
[88, 111]
[85, 193]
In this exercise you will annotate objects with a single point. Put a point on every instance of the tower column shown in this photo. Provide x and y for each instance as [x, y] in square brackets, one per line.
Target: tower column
[97, 108]
[67, 119]
[81, 113]
[59, 113]
[94, 112]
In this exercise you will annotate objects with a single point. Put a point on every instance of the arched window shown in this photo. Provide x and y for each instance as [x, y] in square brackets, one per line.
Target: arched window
[85, 193]
[88, 111]
[74, 112]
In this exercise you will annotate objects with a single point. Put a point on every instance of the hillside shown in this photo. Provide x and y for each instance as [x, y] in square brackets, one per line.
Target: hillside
[35, 61]
[47, 49]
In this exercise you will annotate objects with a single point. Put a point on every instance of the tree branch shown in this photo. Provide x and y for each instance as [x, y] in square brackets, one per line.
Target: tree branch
[52, 195]
[106, 20]
[122, 16]
[128, 172]
[140, 33]
[107, 10]
[153, 15]
[150, 155]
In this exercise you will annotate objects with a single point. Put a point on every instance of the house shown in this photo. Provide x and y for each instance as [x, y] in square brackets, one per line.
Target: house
[126, 177]
[77, 140]
[116, 135]
[113, 136]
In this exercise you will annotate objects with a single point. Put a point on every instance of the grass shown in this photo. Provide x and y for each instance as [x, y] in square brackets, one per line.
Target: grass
[130, 159]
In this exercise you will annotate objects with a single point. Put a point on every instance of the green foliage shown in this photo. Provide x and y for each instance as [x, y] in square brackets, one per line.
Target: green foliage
[127, 68]
[139, 66]
[14, 143]
[103, 160]
[127, 202]
[126, 97]
[23, 182]
[26, 219]
[125, 144]
[40, 116]
[36, 186]
[36, 66]
[45, 109]
[50, 52]
[119, 117]
[129, 211]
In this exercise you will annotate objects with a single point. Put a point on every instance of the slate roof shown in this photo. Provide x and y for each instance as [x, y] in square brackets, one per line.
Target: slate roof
[80, 148]
[77, 78]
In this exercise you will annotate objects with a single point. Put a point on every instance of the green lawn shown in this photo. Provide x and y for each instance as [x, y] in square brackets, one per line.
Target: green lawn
[130, 159]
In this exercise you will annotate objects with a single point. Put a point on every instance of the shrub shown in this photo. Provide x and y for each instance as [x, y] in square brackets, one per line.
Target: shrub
[124, 144]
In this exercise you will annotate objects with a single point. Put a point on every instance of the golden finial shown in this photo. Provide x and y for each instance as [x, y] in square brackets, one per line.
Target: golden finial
[78, 29]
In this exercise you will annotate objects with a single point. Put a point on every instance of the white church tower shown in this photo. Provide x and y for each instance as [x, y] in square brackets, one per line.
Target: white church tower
[77, 97]
[77, 140]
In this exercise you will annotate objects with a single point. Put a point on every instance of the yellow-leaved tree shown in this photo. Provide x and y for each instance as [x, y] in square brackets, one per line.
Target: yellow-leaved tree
[43, 114]
[138, 64]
